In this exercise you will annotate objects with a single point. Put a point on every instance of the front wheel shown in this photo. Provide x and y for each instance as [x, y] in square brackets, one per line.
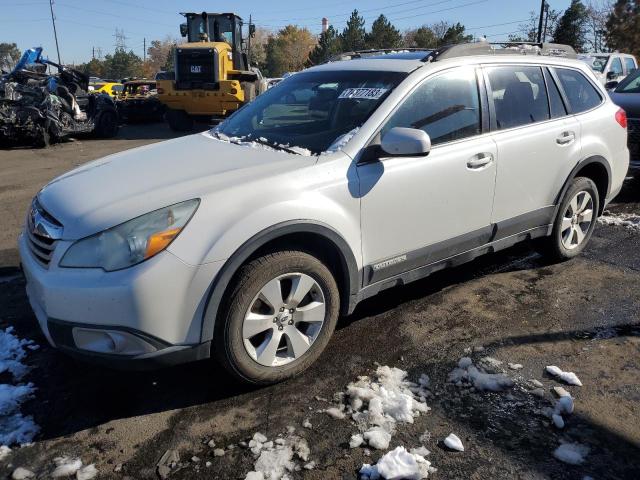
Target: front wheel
[575, 221]
[279, 317]
[179, 120]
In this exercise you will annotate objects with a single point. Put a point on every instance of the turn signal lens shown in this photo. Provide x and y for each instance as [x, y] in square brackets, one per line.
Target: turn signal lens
[621, 118]
[159, 241]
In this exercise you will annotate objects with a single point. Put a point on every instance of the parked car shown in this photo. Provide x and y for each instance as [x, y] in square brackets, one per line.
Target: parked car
[113, 89]
[627, 96]
[610, 67]
[245, 243]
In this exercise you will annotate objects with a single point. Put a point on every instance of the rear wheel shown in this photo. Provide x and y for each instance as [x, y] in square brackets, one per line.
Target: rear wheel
[280, 315]
[575, 221]
[107, 126]
[179, 120]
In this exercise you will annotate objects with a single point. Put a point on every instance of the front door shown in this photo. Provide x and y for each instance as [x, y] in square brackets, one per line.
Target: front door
[418, 210]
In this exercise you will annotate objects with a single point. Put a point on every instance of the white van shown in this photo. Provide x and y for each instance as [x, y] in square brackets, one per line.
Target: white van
[610, 67]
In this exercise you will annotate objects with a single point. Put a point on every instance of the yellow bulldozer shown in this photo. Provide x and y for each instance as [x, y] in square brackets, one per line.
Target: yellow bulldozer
[212, 76]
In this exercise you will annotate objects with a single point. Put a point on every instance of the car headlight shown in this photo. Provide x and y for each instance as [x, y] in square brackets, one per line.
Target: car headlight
[131, 242]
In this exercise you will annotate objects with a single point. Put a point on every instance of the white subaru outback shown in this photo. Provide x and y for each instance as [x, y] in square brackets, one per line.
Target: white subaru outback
[246, 243]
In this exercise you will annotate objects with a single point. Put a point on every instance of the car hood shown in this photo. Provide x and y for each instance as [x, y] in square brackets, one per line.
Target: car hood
[117, 188]
[630, 102]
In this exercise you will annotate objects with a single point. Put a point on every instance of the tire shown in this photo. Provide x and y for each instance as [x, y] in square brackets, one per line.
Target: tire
[560, 245]
[107, 126]
[249, 90]
[244, 348]
[179, 120]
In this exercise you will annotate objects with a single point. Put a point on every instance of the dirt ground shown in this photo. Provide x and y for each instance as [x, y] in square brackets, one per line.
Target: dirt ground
[582, 315]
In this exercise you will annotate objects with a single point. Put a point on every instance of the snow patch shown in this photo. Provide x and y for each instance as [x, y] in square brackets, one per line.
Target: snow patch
[377, 404]
[22, 474]
[87, 473]
[274, 460]
[4, 452]
[454, 443]
[340, 142]
[398, 464]
[66, 466]
[567, 377]
[630, 221]
[571, 453]
[15, 427]
[467, 374]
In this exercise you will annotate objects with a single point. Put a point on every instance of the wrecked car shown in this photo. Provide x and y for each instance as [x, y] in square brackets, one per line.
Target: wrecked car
[38, 107]
[138, 102]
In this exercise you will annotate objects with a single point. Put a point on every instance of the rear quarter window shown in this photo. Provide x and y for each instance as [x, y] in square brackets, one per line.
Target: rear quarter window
[630, 64]
[579, 91]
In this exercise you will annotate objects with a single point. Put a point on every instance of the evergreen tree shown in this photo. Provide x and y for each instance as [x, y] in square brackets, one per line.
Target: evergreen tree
[383, 34]
[424, 37]
[122, 64]
[328, 46]
[623, 27]
[454, 35]
[571, 27]
[353, 36]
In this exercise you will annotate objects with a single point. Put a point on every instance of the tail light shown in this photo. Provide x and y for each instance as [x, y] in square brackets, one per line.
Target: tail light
[621, 118]
[160, 90]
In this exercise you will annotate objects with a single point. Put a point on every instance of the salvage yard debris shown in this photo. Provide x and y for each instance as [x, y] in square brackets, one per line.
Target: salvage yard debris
[38, 107]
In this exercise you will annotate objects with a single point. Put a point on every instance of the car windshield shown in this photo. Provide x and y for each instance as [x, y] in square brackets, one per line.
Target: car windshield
[631, 84]
[596, 62]
[314, 111]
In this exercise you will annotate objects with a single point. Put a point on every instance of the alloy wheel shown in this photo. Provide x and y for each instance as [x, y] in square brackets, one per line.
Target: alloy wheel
[284, 319]
[577, 220]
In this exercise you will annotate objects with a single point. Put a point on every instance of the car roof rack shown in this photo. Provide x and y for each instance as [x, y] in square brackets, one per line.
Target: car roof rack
[374, 51]
[501, 48]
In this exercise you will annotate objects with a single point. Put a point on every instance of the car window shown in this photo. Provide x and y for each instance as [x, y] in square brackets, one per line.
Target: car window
[447, 107]
[631, 84]
[580, 93]
[519, 95]
[616, 66]
[630, 64]
[556, 105]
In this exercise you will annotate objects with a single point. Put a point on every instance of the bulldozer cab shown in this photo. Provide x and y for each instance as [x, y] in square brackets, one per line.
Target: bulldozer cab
[216, 27]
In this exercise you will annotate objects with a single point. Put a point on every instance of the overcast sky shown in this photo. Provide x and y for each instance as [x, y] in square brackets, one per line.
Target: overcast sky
[85, 24]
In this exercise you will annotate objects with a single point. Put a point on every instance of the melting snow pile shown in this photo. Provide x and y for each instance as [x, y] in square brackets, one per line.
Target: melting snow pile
[564, 406]
[398, 464]
[627, 220]
[454, 443]
[276, 459]
[567, 377]
[14, 427]
[377, 404]
[467, 374]
[571, 453]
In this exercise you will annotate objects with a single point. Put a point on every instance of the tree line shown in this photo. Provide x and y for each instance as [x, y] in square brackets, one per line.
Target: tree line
[590, 25]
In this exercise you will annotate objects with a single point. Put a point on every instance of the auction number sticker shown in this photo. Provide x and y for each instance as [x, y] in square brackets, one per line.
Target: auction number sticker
[365, 93]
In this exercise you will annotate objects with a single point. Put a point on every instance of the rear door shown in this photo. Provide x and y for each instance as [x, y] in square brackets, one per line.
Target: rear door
[538, 145]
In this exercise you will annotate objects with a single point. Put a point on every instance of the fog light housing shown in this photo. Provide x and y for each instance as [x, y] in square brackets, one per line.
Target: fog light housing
[113, 342]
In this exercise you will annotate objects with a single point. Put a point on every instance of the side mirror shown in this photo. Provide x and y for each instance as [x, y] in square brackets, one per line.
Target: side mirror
[184, 30]
[410, 142]
[611, 75]
[611, 85]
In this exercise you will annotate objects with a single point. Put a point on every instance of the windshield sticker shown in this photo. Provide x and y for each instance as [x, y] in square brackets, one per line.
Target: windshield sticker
[365, 93]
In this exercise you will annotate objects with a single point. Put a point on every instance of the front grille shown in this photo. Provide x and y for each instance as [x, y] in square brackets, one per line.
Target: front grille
[633, 137]
[41, 247]
[195, 68]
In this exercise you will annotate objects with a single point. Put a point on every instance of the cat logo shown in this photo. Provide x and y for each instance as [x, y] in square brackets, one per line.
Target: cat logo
[196, 69]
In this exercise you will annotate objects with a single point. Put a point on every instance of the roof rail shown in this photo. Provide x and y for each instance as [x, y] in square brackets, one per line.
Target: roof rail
[372, 51]
[501, 48]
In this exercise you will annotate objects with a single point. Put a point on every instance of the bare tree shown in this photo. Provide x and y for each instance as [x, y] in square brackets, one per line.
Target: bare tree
[596, 25]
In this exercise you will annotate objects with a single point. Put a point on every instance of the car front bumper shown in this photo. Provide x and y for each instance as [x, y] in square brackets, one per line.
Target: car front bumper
[141, 317]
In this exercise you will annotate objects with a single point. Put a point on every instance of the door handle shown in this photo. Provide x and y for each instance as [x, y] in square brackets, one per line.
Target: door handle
[566, 138]
[479, 161]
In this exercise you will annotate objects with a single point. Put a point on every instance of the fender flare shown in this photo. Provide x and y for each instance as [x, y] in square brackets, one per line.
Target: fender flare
[248, 248]
[583, 163]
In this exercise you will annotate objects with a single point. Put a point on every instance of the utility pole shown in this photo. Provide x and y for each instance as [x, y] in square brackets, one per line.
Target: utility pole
[93, 53]
[540, 21]
[546, 21]
[249, 42]
[144, 46]
[55, 33]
